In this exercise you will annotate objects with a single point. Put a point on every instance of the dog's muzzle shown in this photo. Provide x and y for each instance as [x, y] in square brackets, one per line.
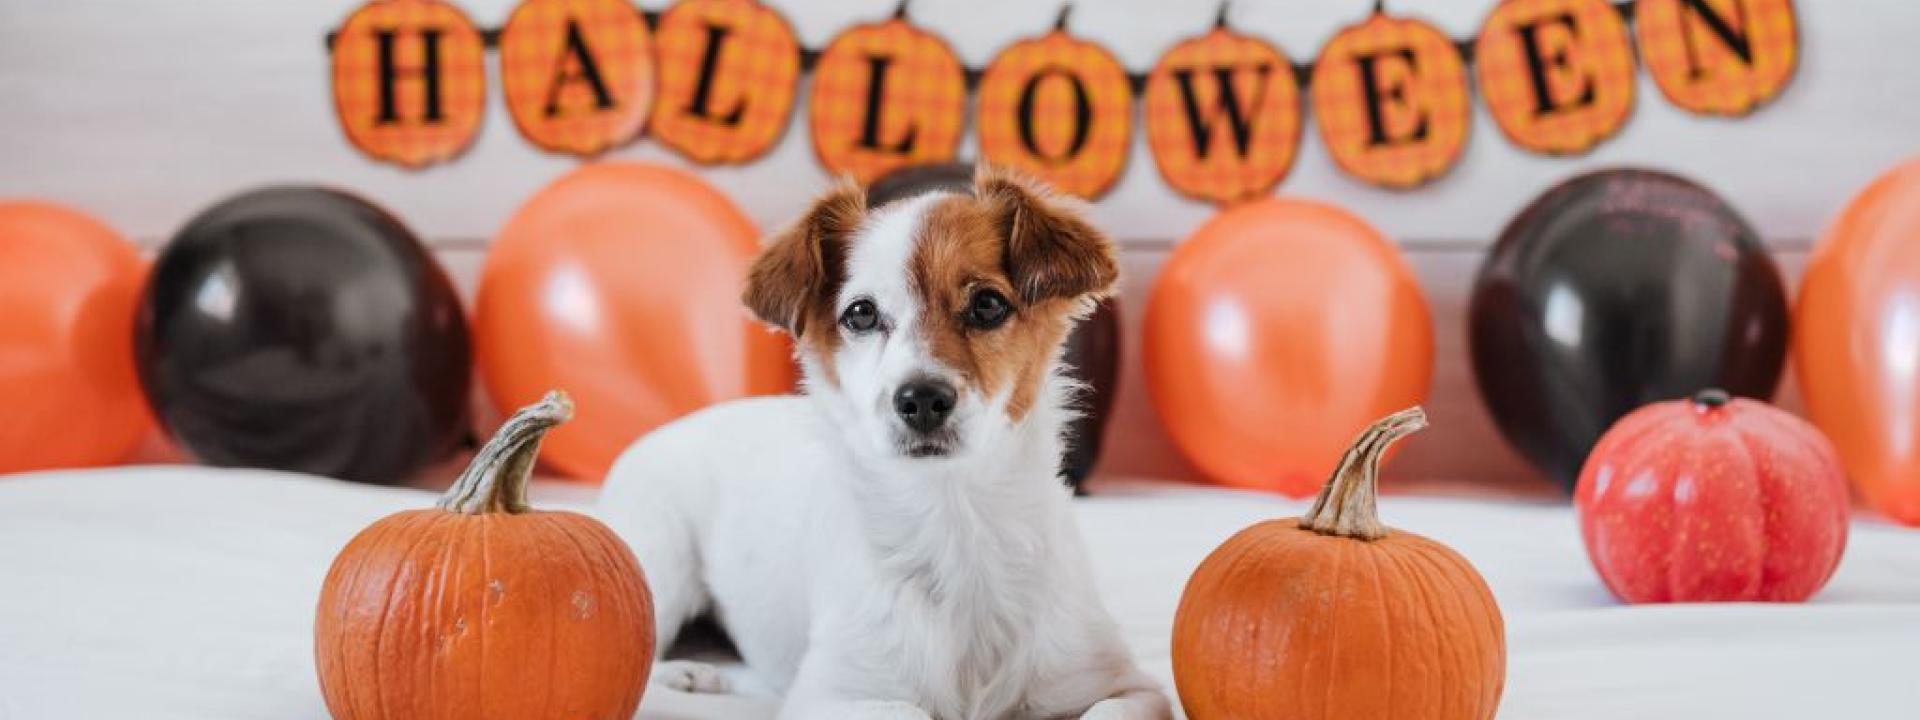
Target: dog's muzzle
[924, 406]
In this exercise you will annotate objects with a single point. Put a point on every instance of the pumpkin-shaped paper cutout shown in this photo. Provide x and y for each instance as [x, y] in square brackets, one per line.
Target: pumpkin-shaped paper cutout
[578, 73]
[886, 95]
[1245, 139]
[729, 70]
[409, 81]
[1557, 75]
[1390, 98]
[1060, 109]
[1718, 57]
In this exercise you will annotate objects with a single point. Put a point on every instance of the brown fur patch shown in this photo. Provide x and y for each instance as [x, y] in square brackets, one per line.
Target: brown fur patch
[1013, 238]
[1051, 251]
[793, 282]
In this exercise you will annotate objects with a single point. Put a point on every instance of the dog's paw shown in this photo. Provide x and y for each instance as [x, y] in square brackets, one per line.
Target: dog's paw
[886, 710]
[690, 676]
[1122, 709]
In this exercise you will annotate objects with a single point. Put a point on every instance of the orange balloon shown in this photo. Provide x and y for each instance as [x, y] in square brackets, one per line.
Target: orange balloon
[69, 287]
[1856, 340]
[620, 284]
[1277, 332]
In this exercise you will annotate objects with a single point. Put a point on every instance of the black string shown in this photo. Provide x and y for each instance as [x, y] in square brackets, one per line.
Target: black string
[810, 57]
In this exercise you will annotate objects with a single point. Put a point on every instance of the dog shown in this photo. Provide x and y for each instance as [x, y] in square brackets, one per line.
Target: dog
[896, 543]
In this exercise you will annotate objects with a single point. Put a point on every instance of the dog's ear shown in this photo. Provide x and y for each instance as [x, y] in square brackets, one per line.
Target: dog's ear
[803, 264]
[1052, 252]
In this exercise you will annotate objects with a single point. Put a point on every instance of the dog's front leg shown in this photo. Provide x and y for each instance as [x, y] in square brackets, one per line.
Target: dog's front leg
[1091, 676]
[821, 690]
[855, 710]
[1142, 704]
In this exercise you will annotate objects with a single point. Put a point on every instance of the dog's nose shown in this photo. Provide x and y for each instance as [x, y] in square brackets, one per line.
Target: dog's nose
[924, 404]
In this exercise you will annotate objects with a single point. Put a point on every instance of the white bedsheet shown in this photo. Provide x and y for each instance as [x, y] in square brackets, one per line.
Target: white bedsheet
[182, 592]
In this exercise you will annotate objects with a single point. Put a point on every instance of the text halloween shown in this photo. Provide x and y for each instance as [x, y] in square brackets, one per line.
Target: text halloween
[716, 81]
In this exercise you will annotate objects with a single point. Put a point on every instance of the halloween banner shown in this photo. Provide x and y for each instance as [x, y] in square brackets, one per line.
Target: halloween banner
[1557, 75]
[886, 96]
[1718, 57]
[1223, 115]
[729, 71]
[1390, 97]
[409, 81]
[578, 74]
[1059, 108]
[1224, 111]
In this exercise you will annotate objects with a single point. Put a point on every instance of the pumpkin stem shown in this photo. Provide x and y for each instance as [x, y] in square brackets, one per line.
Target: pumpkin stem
[1220, 16]
[1712, 398]
[1060, 21]
[1347, 504]
[496, 480]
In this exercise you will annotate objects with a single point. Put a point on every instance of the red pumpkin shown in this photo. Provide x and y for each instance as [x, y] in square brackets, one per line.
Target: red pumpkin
[1713, 499]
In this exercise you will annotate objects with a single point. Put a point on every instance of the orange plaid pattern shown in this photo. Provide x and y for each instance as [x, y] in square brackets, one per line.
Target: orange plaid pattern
[1589, 54]
[407, 138]
[1700, 68]
[1269, 103]
[537, 52]
[924, 93]
[749, 99]
[1083, 156]
[1419, 85]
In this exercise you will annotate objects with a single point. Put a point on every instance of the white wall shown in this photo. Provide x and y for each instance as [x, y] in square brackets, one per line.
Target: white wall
[145, 112]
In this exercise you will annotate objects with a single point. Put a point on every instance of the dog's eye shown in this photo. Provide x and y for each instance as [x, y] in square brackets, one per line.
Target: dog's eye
[861, 316]
[988, 310]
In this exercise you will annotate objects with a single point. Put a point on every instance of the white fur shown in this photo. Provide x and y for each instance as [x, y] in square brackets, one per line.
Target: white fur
[860, 582]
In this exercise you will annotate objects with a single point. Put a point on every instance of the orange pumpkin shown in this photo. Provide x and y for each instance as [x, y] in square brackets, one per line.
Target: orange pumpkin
[485, 608]
[1376, 622]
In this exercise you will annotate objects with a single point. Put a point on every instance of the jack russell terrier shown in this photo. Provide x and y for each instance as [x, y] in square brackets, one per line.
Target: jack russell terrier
[896, 543]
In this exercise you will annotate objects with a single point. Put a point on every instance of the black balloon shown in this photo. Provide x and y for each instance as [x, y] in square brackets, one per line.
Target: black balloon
[1093, 358]
[1093, 349]
[304, 329]
[919, 180]
[1615, 289]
